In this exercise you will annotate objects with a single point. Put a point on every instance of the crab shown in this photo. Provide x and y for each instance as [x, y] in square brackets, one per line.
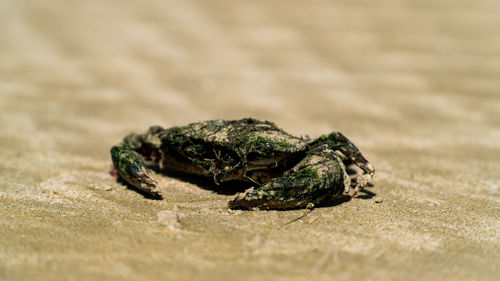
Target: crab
[287, 172]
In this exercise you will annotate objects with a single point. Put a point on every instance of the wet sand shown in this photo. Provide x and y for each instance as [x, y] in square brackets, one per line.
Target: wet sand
[415, 84]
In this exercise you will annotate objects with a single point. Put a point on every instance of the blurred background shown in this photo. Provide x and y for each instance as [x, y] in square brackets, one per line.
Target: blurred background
[415, 84]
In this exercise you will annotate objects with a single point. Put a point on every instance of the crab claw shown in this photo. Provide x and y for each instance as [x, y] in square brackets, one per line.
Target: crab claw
[312, 180]
[130, 166]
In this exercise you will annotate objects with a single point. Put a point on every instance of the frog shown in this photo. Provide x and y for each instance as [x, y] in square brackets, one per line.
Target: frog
[284, 171]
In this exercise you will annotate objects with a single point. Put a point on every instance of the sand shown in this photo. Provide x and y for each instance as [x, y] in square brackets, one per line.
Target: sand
[415, 84]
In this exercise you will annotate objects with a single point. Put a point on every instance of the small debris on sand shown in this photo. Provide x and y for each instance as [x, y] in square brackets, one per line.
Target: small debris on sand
[169, 219]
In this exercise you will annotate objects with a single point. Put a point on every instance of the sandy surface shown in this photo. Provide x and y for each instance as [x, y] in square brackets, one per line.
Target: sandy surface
[415, 84]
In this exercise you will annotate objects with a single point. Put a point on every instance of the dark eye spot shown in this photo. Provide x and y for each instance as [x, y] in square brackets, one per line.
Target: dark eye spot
[268, 147]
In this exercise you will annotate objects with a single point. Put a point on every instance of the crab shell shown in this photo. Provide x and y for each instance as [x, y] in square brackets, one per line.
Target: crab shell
[245, 150]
